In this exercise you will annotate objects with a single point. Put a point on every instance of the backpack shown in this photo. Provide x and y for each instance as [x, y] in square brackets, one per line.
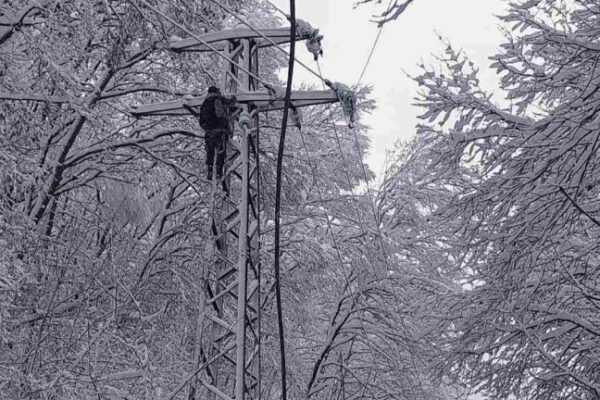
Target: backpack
[208, 118]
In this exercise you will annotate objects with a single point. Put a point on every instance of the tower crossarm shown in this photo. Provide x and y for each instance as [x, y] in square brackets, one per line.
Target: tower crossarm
[265, 101]
[220, 40]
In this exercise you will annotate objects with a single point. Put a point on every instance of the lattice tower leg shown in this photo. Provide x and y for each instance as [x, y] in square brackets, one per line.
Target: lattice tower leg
[231, 315]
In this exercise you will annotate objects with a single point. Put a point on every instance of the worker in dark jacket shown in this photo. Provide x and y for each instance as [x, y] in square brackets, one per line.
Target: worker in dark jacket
[214, 119]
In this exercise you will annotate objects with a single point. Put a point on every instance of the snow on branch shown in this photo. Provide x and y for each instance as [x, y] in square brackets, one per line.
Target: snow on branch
[391, 13]
[32, 97]
[9, 25]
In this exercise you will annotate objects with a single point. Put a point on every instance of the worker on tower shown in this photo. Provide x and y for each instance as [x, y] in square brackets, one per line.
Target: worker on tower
[214, 119]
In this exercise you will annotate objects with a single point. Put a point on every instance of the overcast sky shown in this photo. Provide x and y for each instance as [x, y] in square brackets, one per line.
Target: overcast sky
[468, 24]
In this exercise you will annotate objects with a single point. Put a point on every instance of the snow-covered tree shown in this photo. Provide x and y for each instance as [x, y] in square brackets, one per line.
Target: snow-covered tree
[517, 214]
[387, 11]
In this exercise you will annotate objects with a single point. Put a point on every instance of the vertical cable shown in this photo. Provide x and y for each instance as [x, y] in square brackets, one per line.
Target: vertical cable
[286, 109]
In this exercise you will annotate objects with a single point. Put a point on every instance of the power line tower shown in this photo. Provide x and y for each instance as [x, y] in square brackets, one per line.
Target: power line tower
[228, 351]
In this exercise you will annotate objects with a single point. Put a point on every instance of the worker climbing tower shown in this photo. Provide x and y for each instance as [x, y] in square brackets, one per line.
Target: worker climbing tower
[228, 349]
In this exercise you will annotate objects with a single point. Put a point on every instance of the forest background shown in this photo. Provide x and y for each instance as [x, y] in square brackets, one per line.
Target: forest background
[472, 267]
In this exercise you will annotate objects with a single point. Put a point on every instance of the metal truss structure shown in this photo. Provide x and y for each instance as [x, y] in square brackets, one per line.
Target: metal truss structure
[228, 354]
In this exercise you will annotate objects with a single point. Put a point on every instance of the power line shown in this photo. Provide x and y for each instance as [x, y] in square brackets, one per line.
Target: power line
[370, 55]
[346, 173]
[338, 254]
[359, 149]
[377, 222]
[286, 109]
[348, 176]
[365, 175]
[389, 7]
[371, 52]
[360, 221]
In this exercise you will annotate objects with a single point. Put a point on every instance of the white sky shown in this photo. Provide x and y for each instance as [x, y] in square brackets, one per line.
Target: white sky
[468, 24]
